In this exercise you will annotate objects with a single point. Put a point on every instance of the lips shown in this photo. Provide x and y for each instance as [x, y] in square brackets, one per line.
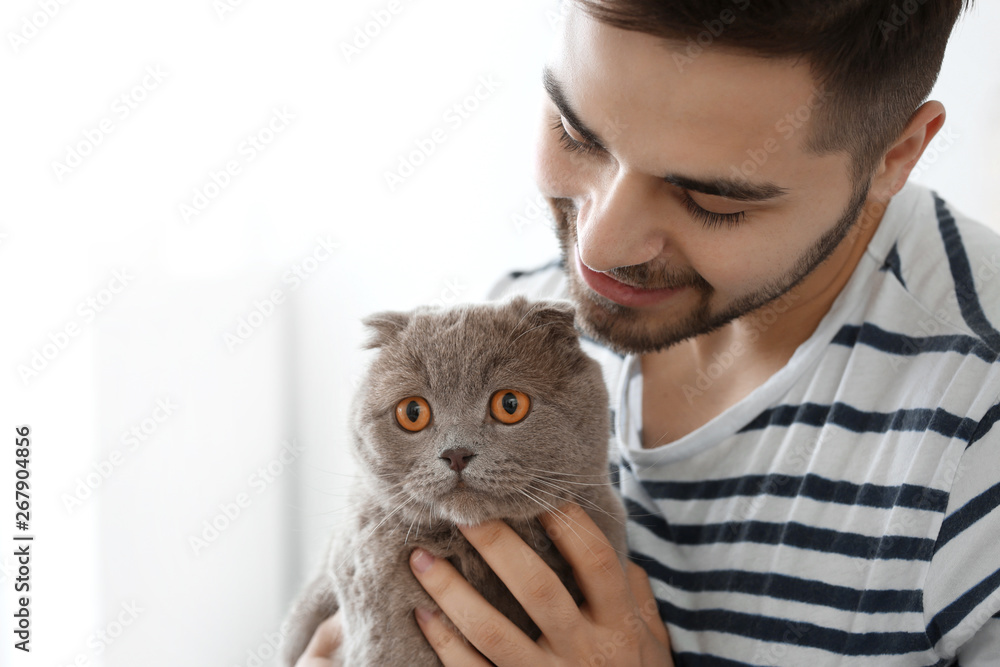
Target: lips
[621, 293]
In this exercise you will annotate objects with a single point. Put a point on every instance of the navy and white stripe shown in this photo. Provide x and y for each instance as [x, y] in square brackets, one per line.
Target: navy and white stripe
[845, 512]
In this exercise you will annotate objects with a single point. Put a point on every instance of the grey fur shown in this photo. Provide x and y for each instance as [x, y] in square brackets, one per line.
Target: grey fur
[456, 359]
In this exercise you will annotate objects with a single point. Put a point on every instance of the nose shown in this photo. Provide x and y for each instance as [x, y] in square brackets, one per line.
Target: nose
[457, 458]
[621, 226]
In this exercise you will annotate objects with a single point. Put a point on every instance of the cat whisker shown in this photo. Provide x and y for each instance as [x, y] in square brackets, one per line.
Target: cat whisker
[569, 481]
[353, 475]
[564, 519]
[395, 497]
[415, 519]
[576, 497]
[602, 475]
[532, 502]
[384, 519]
[531, 531]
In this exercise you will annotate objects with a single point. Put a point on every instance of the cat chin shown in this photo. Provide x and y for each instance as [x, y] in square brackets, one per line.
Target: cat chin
[470, 509]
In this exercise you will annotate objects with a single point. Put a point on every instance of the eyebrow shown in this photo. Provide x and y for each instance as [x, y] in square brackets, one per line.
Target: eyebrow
[728, 188]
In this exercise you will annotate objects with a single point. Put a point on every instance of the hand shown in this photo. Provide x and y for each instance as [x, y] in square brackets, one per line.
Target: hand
[618, 624]
[324, 643]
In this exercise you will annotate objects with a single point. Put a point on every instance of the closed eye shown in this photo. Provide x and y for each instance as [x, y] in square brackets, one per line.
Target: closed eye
[711, 219]
[568, 142]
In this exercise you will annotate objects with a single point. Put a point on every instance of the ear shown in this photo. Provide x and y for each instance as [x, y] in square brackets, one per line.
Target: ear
[906, 152]
[556, 315]
[386, 327]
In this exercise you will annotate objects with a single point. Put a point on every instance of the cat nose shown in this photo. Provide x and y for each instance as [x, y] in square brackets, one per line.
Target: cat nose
[458, 458]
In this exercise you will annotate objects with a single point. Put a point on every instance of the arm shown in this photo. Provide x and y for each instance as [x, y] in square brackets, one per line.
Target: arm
[617, 625]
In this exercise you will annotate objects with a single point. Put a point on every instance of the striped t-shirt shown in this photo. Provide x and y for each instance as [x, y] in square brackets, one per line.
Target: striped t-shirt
[845, 512]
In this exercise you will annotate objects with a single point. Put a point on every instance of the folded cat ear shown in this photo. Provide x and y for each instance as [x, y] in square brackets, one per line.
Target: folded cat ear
[556, 315]
[386, 327]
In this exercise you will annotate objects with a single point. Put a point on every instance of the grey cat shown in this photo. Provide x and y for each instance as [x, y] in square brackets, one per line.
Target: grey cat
[471, 413]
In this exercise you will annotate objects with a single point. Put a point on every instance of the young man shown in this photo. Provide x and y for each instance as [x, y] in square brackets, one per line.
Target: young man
[801, 348]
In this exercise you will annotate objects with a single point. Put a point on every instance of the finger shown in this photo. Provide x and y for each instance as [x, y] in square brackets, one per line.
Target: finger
[645, 601]
[491, 632]
[451, 649]
[595, 562]
[527, 576]
[326, 639]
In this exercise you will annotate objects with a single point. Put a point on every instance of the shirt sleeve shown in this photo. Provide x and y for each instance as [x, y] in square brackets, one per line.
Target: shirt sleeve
[546, 281]
[962, 590]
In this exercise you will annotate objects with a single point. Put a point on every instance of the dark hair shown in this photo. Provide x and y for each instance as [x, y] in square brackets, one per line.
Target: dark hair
[877, 60]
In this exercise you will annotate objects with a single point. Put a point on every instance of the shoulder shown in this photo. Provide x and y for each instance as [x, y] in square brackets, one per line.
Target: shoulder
[547, 281]
[946, 263]
[927, 308]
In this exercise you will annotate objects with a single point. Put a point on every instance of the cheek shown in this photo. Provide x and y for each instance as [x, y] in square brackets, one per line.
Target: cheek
[554, 171]
[733, 261]
[559, 172]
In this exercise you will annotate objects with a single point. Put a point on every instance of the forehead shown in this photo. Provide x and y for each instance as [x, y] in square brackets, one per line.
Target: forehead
[663, 104]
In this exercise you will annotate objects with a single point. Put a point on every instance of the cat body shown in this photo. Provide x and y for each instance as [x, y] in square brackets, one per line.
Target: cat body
[467, 414]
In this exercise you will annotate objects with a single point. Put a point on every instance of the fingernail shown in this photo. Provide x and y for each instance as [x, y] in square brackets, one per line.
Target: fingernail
[424, 615]
[421, 560]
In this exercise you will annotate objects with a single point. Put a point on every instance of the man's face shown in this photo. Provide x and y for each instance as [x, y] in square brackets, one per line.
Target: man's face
[683, 195]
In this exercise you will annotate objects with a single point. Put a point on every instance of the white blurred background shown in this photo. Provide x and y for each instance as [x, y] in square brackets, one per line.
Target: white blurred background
[183, 339]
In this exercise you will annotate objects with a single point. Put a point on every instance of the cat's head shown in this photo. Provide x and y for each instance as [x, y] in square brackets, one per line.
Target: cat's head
[481, 411]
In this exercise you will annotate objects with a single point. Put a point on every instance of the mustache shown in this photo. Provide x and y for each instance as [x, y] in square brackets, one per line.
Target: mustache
[647, 276]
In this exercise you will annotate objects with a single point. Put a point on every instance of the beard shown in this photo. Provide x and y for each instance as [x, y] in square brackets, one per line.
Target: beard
[628, 330]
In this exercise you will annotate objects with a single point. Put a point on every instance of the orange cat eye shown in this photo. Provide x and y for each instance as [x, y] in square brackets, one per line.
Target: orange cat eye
[413, 413]
[509, 406]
